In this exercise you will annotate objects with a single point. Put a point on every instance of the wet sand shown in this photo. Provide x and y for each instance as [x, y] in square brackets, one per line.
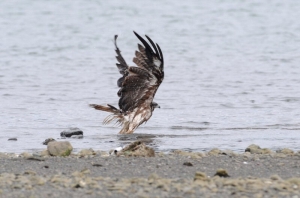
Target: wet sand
[176, 174]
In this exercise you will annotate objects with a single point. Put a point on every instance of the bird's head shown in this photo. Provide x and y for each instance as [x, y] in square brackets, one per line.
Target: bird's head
[154, 105]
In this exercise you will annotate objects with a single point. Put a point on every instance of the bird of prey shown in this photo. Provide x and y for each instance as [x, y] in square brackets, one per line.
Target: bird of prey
[138, 86]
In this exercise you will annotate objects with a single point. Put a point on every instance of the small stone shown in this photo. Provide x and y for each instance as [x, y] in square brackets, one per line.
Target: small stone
[266, 151]
[194, 155]
[72, 132]
[187, 164]
[214, 152]
[3, 155]
[86, 152]
[253, 149]
[59, 148]
[29, 172]
[285, 151]
[102, 153]
[12, 139]
[275, 177]
[200, 176]
[44, 153]
[229, 153]
[26, 155]
[36, 180]
[35, 158]
[97, 165]
[221, 173]
[48, 140]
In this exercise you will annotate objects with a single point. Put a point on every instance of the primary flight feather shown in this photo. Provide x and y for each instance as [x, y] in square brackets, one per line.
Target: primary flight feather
[138, 86]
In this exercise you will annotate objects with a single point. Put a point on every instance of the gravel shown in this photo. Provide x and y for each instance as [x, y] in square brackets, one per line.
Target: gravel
[178, 174]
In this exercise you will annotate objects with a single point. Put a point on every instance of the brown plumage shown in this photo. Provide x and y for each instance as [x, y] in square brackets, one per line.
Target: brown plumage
[138, 86]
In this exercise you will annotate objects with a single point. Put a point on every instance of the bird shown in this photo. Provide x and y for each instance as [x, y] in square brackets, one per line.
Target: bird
[137, 86]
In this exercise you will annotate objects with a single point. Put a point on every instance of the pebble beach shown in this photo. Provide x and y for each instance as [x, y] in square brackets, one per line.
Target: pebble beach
[257, 172]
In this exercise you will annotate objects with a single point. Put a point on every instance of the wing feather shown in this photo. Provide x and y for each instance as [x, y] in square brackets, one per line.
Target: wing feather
[139, 84]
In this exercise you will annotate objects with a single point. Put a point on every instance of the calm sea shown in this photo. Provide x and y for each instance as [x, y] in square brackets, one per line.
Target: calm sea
[232, 72]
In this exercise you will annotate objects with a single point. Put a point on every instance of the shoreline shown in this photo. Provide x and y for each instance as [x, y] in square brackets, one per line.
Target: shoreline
[176, 174]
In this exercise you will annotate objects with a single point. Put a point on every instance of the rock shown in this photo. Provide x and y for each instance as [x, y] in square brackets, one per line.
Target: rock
[86, 152]
[12, 139]
[200, 176]
[229, 153]
[3, 155]
[97, 165]
[102, 153]
[61, 148]
[255, 149]
[35, 158]
[187, 164]
[137, 149]
[194, 155]
[266, 151]
[48, 140]
[275, 177]
[29, 172]
[221, 173]
[72, 132]
[285, 151]
[26, 155]
[44, 153]
[214, 152]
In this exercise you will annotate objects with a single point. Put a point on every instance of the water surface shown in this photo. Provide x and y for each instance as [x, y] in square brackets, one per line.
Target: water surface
[231, 72]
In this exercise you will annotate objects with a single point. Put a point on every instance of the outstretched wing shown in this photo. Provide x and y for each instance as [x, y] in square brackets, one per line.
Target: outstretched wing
[139, 84]
[122, 65]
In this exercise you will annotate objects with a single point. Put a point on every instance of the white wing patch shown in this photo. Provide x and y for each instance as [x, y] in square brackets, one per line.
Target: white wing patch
[157, 62]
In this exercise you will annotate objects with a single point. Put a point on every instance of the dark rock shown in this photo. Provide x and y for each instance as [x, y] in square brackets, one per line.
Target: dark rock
[12, 139]
[222, 173]
[97, 165]
[48, 140]
[72, 132]
[187, 164]
[34, 158]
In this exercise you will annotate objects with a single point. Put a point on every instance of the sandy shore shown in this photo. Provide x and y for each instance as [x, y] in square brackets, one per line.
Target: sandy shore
[177, 174]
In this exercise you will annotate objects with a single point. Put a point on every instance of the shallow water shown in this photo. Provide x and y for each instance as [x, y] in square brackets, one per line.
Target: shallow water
[231, 72]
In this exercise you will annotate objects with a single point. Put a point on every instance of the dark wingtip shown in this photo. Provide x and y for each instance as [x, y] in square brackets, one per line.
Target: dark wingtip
[115, 41]
[136, 34]
[147, 46]
[93, 105]
[153, 45]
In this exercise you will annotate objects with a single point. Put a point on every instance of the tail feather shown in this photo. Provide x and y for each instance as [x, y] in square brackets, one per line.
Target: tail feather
[108, 108]
[116, 116]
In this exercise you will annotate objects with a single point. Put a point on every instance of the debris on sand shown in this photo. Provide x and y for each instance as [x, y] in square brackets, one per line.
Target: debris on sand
[137, 149]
